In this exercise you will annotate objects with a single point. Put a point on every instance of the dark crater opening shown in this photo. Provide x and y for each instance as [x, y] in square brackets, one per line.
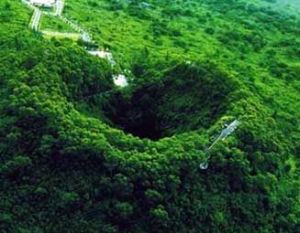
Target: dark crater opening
[186, 98]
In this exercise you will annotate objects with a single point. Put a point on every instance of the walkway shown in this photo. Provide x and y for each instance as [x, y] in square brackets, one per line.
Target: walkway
[223, 135]
[35, 20]
[59, 5]
[119, 80]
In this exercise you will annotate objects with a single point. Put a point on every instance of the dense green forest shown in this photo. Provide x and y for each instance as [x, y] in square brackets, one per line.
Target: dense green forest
[79, 154]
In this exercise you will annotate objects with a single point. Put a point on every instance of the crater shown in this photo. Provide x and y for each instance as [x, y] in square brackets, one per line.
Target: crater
[187, 97]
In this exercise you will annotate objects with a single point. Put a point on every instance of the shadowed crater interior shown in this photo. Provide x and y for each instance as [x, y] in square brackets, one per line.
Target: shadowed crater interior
[187, 97]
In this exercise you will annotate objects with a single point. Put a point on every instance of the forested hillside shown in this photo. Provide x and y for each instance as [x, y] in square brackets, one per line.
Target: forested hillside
[80, 154]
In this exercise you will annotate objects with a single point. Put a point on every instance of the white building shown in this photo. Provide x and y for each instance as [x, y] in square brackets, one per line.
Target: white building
[43, 3]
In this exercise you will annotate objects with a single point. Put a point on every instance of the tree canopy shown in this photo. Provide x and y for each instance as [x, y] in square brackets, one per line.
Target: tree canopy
[78, 154]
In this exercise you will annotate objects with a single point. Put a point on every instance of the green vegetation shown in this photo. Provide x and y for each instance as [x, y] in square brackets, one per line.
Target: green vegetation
[51, 23]
[185, 98]
[78, 154]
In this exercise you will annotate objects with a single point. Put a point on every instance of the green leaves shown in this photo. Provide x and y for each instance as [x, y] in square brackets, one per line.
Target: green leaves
[17, 164]
[66, 164]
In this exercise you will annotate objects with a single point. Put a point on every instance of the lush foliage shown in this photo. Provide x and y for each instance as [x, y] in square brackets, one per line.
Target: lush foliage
[78, 154]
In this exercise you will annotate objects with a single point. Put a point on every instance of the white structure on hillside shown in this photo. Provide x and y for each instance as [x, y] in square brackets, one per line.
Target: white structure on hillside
[43, 3]
[120, 80]
[223, 135]
[103, 54]
[85, 37]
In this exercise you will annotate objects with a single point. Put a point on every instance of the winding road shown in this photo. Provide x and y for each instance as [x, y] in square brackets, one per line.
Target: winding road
[59, 7]
[119, 80]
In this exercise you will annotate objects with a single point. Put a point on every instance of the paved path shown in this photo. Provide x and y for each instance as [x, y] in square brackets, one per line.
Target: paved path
[36, 17]
[35, 20]
[119, 80]
[223, 135]
[84, 35]
[70, 35]
[59, 7]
